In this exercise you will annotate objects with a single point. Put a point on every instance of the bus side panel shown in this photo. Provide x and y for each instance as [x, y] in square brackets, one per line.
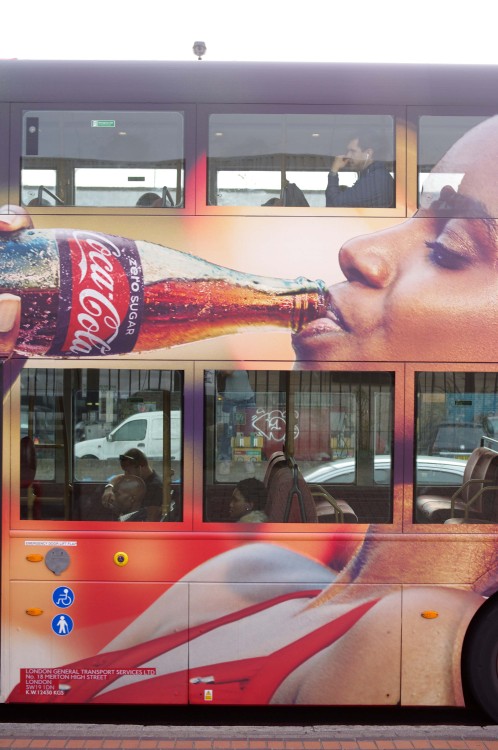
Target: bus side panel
[310, 655]
[225, 622]
[62, 642]
[435, 620]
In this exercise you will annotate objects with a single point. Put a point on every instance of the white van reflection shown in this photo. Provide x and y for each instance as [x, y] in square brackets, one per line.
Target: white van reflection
[142, 431]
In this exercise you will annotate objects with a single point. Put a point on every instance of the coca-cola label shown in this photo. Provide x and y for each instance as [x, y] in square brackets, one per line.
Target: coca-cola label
[101, 294]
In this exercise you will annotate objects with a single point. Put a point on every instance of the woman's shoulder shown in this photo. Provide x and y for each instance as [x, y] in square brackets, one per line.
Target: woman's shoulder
[255, 516]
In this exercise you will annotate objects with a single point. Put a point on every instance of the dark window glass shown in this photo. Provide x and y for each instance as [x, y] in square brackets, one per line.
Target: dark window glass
[457, 421]
[436, 135]
[75, 425]
[94, 158]
[335, 427]
[285, 159]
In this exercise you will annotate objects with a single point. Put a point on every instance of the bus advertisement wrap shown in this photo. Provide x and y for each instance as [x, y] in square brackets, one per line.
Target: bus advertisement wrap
[275, 365]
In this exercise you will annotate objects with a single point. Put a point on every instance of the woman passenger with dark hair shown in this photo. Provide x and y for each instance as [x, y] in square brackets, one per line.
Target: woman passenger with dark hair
[248, 502]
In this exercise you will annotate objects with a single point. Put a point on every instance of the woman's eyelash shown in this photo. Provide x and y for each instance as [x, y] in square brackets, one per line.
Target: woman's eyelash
[443, 256]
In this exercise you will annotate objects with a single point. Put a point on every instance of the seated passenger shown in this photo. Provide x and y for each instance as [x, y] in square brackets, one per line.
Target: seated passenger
[149, 200]
[374, 187]
[37, 202]
[248, 502]
[292, 195]
[127, 499]
[134, 463]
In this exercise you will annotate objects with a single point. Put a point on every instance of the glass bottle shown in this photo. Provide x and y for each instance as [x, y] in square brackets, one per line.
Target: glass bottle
[84, 293]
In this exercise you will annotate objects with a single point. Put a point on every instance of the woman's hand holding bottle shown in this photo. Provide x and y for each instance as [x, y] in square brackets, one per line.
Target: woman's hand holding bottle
[12, 219]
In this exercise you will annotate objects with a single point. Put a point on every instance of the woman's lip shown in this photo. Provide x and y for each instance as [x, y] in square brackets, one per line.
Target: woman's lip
[319, 327]
[331, 323]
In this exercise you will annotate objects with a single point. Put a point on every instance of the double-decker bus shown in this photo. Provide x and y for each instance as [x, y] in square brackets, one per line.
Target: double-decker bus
[248, 323]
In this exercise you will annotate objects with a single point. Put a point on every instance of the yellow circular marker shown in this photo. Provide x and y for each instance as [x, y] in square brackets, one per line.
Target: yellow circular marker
[121, 558]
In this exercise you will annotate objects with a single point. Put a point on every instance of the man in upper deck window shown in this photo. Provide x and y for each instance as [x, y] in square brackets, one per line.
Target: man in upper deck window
[374, 187]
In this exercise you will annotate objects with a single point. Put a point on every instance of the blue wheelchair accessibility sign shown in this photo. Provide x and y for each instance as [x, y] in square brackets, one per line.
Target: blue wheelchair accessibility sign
[63, 597]
[62, 624]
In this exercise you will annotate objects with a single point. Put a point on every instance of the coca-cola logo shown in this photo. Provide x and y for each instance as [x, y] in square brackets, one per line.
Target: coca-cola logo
[98, 319]
[101, 294]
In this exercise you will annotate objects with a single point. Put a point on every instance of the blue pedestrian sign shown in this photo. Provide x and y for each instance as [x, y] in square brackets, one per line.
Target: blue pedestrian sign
[62, 624]
[63, 597]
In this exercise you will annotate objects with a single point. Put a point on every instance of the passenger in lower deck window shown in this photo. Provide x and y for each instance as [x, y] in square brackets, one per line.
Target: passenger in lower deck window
[135, 464]
[249, 501]
[127, 498]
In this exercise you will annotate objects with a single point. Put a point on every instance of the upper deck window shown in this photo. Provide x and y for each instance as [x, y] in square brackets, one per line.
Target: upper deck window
[437, 134]
[107, 159]
[286, 160]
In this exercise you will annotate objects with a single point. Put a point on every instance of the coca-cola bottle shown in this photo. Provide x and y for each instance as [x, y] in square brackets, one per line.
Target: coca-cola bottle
[89, 294]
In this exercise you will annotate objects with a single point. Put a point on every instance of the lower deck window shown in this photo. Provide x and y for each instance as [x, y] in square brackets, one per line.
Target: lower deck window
[82, 429]
[336, 428]
[457, 448]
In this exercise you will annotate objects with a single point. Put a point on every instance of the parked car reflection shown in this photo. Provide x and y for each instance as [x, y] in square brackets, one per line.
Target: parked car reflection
[431, 471]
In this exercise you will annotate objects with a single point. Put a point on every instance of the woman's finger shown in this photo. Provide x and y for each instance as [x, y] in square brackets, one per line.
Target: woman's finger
[14, 218]
[10, 321]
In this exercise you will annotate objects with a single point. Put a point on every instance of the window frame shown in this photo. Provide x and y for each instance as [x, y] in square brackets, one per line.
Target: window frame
[409, 523]
[316, 530]
[187, 111]
[399, 128]
[414, 114]
[11, 457]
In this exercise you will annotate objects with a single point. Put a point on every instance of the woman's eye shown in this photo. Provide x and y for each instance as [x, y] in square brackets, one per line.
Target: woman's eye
[444, 257]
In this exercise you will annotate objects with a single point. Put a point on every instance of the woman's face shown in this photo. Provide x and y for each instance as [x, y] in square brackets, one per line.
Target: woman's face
[239, 506]
[427, 289]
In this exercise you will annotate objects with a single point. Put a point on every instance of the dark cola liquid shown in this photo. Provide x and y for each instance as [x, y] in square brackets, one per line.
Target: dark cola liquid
[39, 308]
[179, 311]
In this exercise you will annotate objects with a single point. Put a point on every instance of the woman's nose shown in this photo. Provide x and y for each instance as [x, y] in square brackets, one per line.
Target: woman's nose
[366, 261]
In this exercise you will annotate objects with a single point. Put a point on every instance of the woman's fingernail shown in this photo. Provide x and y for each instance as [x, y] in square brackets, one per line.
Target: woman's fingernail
[7, 221]
[9, 307]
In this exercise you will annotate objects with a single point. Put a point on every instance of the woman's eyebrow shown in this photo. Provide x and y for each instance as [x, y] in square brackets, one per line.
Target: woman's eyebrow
[480, 224]
[452, 205]
[488, 231]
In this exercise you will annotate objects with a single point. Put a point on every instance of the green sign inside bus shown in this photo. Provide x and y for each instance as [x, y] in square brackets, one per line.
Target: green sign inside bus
[103, 123]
